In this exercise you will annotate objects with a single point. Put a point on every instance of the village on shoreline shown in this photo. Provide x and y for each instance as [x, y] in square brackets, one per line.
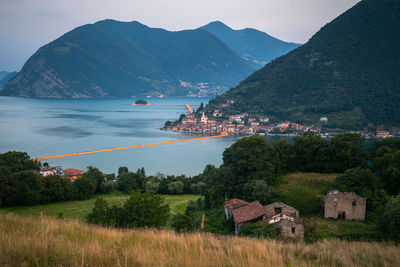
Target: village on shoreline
[244, 124]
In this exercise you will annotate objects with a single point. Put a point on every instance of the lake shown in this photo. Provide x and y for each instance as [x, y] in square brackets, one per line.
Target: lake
[46, 127]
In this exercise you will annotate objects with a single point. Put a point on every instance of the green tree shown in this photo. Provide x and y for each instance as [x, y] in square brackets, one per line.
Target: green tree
[152, 185]
[181, 223]
[100, 213]
[389, 222]
[175, 187]
[259, 230]
[129, 181]
[144, 209]
[17, 161]
[258, 190]
[387, 166]
[29, 187]
[347, 151]
[84, 188]
[95, 175]
[122, 170]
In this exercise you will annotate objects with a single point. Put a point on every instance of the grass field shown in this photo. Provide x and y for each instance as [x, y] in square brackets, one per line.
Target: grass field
[45, 241]
[317, 182]
[79, 209]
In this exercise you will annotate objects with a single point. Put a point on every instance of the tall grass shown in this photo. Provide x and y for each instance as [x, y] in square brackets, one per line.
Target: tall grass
[43, 241]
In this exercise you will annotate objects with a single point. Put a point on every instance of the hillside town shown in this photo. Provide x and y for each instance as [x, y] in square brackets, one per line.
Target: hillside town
[245, 124]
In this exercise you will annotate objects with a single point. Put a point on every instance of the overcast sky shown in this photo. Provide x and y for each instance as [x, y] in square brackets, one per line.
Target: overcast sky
[26, 25]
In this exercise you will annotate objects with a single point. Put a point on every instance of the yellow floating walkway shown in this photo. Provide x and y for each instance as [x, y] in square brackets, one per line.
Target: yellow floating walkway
[223, 134]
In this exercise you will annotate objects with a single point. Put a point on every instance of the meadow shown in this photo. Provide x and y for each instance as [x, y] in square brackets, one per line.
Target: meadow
[77, 210]
[46, 241]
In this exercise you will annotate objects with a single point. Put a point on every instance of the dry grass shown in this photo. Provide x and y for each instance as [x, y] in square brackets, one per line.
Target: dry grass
[43, 241]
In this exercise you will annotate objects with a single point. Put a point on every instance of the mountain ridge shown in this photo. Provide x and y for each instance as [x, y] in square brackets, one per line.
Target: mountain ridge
[348, 71]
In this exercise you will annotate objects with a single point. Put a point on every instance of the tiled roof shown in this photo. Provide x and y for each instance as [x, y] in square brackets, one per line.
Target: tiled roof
[234, 201]
[248, 213]
[73, 171]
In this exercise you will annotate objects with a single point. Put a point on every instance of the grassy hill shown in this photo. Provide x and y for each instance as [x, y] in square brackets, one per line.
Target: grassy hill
[43, 241]
[348, 71]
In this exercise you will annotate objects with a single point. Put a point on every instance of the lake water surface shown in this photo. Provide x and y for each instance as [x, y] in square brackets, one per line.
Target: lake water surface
[48, 127]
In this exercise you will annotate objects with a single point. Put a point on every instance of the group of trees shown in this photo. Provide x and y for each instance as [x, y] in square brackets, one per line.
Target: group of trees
[159, 183]
[21, 183]
[142, 209]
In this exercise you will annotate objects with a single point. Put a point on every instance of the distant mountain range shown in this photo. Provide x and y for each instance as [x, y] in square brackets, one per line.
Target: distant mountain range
[349, 71]
[5, 76]
[253, 45]
[128, 59]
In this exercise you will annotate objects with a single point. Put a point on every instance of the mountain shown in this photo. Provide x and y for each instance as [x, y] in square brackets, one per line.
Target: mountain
[123, 59]
[3, 74]
[253, 45]
[348, 71]
[6, 78]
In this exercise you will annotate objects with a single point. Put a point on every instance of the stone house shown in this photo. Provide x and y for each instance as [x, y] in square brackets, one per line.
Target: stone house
[277, 208]
[251, 212]
[232, 204]
[284, 217]
[344, 205]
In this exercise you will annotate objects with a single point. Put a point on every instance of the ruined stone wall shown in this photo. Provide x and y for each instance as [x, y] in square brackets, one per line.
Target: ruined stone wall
[345, 205]
[286, 209]
[291, 229]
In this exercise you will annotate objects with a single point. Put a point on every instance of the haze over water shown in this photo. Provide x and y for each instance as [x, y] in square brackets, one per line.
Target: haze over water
[46, 127]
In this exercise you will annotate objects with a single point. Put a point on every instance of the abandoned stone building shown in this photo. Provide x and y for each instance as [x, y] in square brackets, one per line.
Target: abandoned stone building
[280, 208]
[232, 204]
[284, 217]
[344, 205]
[251, 212]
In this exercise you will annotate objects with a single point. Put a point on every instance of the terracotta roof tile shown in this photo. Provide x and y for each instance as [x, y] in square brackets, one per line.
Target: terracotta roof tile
[248, 213]
[234, 201]
[73, 171]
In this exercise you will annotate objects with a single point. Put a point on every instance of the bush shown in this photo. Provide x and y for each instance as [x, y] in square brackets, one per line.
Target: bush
[390, 219]
[182, 223]
[142, 209]
[259, 230]
[303, 198]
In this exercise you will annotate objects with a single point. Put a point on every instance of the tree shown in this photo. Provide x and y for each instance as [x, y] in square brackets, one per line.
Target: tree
[84, 187]
[389, 222]
[141, 171]
[122, 170]
[145, 209]
[182, 223]
[95, 175]
[259, 230]
[250, 158]
[175, 187]
[387, 166]
[152, 185]
[29, 187]
[18, 161]
[129, 181]
[258, 190]
[198, 188]
[347, 151]
[100, 213]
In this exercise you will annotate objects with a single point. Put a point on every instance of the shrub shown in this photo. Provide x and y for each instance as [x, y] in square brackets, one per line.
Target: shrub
[259, 230]
[390, 219]
[182, 223]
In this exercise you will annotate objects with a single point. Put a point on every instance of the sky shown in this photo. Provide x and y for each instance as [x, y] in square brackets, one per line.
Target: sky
[26, 25]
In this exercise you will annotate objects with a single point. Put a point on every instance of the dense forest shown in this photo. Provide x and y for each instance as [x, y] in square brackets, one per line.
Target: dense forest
[348, 71]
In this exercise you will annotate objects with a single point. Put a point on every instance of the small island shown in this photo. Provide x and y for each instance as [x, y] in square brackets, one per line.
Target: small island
[140, 102]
